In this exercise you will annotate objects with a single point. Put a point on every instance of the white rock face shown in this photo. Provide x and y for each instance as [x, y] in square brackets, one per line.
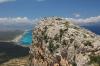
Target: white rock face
[59, 42]
[81, 59]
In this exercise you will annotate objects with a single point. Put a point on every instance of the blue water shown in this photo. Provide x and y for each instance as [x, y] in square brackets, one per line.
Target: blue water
[95, 27]
[27, 38]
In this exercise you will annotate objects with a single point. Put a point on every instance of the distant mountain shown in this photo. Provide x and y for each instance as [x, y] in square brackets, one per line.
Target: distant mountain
[9, 35]
[16, 27]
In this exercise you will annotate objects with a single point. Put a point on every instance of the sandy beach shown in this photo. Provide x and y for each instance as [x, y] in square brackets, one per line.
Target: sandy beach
[18, 37]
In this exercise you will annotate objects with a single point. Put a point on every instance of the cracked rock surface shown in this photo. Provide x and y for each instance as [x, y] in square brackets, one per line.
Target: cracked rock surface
[58, 42]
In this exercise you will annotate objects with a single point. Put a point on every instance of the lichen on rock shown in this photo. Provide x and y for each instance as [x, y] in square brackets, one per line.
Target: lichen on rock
[58, 42]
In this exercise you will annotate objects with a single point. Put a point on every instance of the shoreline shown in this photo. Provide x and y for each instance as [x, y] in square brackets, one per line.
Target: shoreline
[17, 38]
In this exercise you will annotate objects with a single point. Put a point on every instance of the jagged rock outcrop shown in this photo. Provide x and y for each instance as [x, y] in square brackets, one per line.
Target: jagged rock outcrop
[57, 42]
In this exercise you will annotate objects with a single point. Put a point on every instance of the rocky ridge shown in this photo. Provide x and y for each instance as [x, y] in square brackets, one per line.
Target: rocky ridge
[58, 42]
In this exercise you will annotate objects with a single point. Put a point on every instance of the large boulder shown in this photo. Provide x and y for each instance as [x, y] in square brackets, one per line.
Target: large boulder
[58, 42]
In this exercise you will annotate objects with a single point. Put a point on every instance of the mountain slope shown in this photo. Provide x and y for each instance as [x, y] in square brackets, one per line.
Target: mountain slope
[57, 42]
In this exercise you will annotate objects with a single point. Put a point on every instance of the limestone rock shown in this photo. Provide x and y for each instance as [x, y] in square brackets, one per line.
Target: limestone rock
[57, 42]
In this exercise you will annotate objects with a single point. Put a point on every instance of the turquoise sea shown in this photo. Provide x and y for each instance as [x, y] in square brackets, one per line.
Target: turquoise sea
[27, 38]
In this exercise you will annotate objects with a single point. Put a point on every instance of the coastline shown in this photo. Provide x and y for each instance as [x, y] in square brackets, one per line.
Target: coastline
[17, 38]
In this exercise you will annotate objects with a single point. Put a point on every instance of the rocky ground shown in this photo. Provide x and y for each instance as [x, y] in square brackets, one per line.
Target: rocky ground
[22, 61]
[57, 42]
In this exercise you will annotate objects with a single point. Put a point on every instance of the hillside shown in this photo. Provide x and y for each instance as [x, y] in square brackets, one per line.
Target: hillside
[9, 35]
[57, 42]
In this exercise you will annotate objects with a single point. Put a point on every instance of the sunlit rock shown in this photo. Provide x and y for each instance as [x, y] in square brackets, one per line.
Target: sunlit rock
[58, 42]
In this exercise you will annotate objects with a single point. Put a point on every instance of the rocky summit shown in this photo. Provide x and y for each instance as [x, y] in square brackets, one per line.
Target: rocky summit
[58, 42]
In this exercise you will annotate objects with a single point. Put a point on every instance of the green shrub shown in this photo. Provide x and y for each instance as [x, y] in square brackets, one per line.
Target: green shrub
[66, 23]
[51, 47]
[87, 43]
[95, 59]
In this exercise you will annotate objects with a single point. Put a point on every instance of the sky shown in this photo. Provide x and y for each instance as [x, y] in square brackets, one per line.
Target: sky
[25, 11]
[42, 8]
